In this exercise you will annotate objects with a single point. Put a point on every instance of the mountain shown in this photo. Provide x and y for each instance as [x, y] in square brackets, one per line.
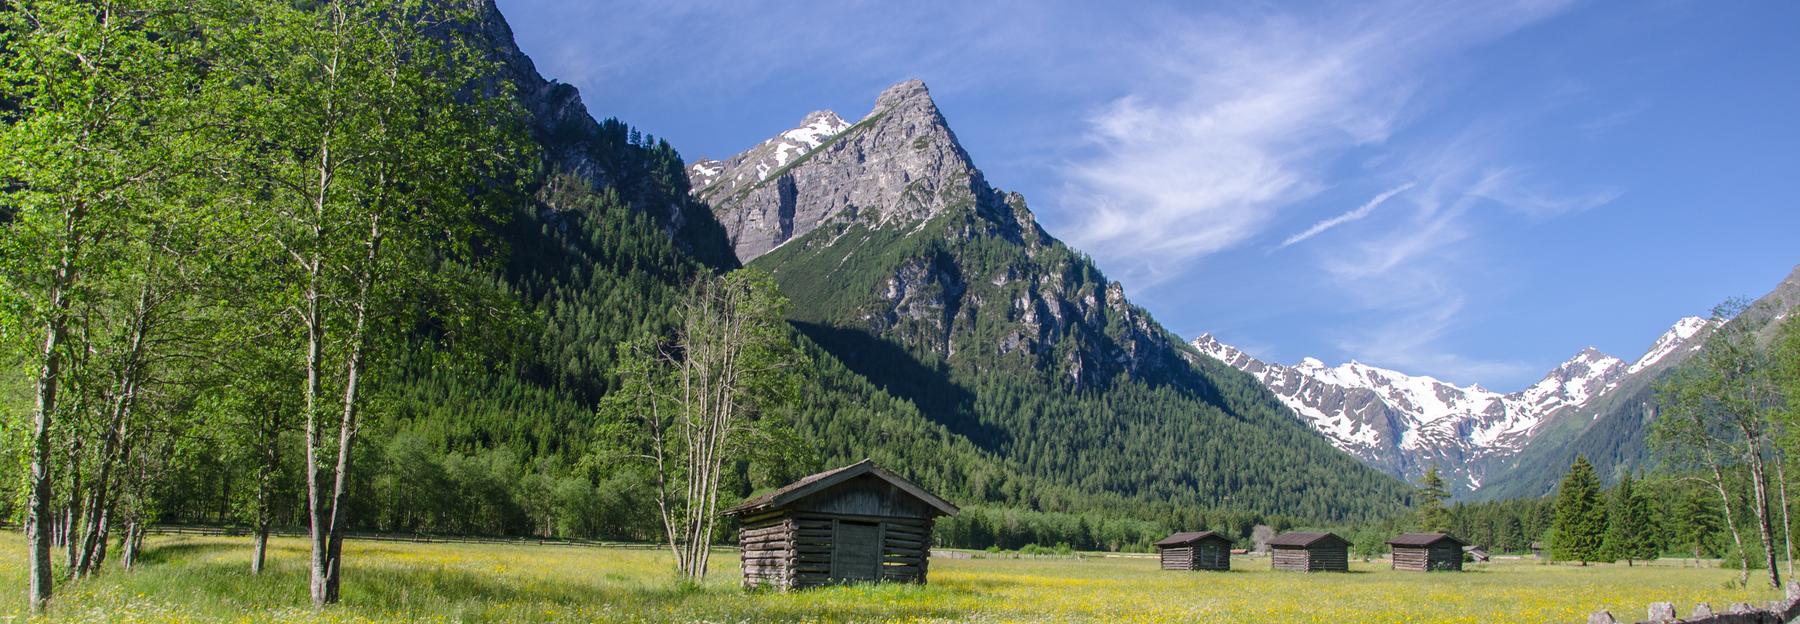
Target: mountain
[903, 263]
[1612, 430]
[1404, 424]
[1486, 444]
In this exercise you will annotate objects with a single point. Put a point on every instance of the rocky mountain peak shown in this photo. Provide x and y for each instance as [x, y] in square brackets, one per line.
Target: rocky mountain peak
[899, 164]
[911, 91]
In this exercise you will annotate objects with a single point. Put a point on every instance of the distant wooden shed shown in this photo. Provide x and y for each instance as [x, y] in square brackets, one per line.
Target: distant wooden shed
[1303, 551]
[1427, 552]
[1479, 554]
[856, 523]
[1195, 550]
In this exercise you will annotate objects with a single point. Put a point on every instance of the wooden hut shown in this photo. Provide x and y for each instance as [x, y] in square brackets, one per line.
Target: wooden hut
[1478, 554]
[1427, 552]
[1301, 551]
[856, 523]
[1195, 550]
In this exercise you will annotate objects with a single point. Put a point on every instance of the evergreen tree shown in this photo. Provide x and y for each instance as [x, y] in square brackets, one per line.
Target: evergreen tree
[1579, 529]
[1629, 531]
[1695, 524]
[1432, 515]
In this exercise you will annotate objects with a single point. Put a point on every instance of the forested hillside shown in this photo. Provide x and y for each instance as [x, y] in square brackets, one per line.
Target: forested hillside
[948, 293]
[475, 395]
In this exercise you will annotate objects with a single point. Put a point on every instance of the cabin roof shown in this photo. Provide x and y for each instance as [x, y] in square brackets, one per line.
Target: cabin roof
[1189, 537]
[815, 483]
[1423, 539]
[1303, 539]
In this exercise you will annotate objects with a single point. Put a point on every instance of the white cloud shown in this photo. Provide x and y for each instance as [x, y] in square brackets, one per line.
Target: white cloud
[1239, 118]
[1359, 213]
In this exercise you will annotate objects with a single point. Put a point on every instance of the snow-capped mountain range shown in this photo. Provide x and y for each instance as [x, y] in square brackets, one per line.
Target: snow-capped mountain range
[1404, 424]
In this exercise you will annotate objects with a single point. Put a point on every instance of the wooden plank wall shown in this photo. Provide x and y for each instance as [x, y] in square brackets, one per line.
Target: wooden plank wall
[1212, 555]
[795, 551]
[905, 549]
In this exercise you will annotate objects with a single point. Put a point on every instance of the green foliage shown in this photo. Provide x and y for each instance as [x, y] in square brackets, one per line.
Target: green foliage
[1432, 515]
[1065, 381]
[1579, 530]
[1630, 529]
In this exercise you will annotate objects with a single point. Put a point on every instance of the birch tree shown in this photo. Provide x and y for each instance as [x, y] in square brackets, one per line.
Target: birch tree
[91, 96]
[1717, 409]
[366, 125]
[707, 398]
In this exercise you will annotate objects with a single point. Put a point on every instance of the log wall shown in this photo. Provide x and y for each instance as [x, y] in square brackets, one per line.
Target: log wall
[1440, 557]
[1319, 558]
[797, 550]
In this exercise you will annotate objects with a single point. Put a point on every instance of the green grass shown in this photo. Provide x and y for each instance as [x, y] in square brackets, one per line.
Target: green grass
[205, 579]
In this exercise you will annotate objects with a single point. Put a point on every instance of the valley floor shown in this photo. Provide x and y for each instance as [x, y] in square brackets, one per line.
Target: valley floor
[187, 578]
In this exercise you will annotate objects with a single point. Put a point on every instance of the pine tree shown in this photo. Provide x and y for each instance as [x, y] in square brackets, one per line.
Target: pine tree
[1629, 532]
[1695, 523]
[1432, 515]
[1579, 529]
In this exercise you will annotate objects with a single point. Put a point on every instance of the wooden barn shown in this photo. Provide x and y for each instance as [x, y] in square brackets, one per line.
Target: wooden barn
[1427, 552]
[1195, 550]
[1478, 554]
[856, 523]
[1301, 551]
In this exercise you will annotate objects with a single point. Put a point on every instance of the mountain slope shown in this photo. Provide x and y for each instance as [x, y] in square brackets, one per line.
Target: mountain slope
[1406, 424]
[906, 265]
[1613, 430]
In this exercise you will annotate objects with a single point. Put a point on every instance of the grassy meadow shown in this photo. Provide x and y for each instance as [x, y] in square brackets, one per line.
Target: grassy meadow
[198, 579]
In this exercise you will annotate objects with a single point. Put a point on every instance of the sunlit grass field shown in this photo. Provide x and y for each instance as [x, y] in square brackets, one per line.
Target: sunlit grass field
[184, 578]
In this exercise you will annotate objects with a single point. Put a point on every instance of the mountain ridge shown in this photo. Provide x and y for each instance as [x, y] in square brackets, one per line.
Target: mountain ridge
[905, 263]
[1404, 424]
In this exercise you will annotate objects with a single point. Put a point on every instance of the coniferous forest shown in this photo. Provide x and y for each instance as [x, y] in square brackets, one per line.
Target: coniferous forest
[343, 267]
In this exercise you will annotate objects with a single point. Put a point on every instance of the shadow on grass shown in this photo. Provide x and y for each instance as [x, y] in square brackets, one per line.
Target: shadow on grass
[165, 552]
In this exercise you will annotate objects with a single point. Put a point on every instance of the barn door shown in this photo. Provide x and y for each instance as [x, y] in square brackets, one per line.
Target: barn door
[856, 551]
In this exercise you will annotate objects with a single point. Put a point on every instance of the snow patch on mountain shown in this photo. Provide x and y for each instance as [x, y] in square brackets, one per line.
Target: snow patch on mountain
[1672, 340]
[1406, 423]
[716, 177]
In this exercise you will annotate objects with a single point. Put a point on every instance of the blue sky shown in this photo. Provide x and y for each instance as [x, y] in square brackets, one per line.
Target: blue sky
[1473, 191]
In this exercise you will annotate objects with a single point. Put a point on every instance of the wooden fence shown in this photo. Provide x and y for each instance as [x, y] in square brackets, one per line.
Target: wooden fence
[1776, 612]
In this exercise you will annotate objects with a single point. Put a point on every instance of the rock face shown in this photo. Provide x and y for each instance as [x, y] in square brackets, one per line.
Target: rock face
[899, 163]
[1405, 424]
[903, 263]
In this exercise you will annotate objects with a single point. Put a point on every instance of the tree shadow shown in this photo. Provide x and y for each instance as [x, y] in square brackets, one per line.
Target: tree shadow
[897, 372]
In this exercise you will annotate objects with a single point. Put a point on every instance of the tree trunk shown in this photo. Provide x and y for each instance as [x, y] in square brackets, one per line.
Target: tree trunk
[1759, 482]
[134, 539]
[1736, 539]
[37, 515]
[99, 501]
[71, 521]
[315, 338]
[1787, 526]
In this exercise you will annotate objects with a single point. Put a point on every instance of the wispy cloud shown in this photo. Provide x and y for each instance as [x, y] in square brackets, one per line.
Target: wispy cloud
[1354, 215]
[1242, 117]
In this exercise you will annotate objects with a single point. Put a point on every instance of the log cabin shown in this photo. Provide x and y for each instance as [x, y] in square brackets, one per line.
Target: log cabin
[1301, 551]
[1427, 552]
[858, 523]
[1195, 550]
